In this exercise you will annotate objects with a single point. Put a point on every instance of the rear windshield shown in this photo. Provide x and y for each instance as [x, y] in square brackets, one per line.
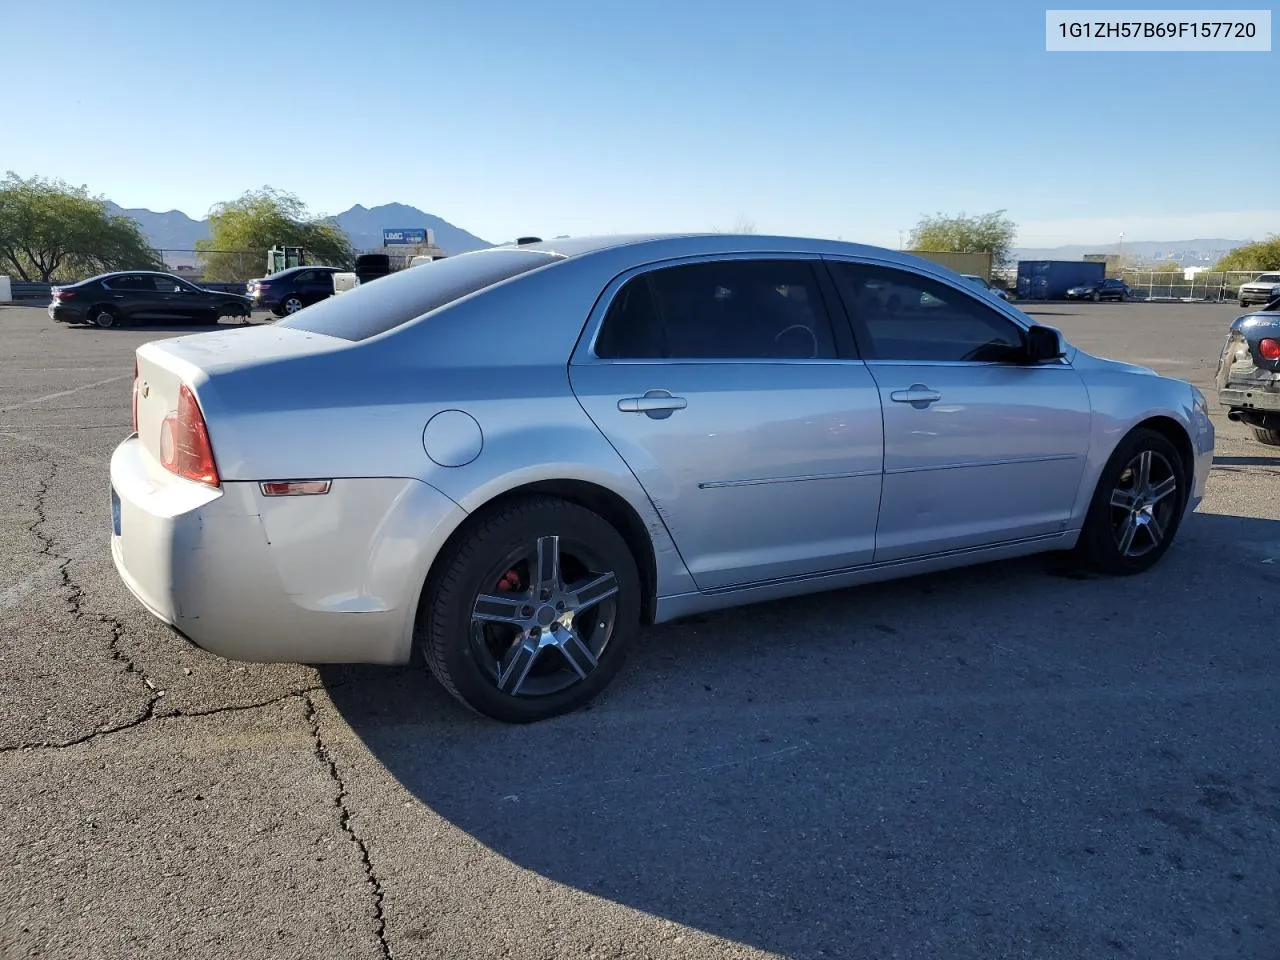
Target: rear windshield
[388, 302]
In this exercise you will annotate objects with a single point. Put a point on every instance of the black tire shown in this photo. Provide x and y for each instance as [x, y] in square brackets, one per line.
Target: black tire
[1099, 546]
[467, 655]
[1244, 302]
[104, 317]
[1266, 435]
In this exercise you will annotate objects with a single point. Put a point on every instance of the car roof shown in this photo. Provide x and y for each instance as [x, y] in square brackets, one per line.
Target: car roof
[657, 246]
[309, 266]
[131, 273]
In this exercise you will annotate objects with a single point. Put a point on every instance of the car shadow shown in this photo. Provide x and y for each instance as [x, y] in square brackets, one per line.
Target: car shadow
[839, 769]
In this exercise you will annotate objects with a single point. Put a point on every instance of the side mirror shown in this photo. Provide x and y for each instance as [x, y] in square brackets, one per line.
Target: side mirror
[1044, 344]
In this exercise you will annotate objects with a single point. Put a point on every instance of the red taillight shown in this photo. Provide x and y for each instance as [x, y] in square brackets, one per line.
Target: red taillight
[261, 286]
[184, 442]
[1269, 349]
[63, 294]
[135, 394]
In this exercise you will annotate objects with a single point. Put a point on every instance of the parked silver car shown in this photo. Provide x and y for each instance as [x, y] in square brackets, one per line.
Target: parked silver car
[513, 460]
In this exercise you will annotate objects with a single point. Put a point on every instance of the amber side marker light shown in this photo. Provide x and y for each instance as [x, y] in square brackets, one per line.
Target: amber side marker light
[294, 488]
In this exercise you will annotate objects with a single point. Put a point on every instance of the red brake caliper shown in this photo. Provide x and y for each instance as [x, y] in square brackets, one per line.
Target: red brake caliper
[510, 582]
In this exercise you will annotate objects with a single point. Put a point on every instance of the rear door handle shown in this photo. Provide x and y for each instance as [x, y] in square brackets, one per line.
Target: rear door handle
[658, 404]
[918, 395]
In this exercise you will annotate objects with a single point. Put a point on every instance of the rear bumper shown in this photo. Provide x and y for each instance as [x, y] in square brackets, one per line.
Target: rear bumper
[323, 579]
[1258, 398]
[65, 314]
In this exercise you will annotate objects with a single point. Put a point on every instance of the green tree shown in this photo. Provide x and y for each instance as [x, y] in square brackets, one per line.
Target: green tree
[50, 230]
[991, 233]
[1260, 255]
[242, 231]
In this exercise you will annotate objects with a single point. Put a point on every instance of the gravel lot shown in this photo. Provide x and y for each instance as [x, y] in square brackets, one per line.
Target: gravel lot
[999, 762]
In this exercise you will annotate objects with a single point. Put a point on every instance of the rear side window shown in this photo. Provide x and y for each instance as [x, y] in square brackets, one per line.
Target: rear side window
[728, 309]
[133, 282]
[391, 301]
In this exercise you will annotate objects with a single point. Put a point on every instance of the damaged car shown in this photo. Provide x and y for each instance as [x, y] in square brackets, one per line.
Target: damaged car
[1248, 378]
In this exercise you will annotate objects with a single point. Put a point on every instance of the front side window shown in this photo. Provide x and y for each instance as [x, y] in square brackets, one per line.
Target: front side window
[901, 315]
[724, 309]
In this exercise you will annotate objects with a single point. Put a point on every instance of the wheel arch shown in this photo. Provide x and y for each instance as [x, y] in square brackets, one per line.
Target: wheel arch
[606, 503]
[1175, 433]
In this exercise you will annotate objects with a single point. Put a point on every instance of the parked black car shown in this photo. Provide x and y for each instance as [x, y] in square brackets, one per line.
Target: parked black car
[132, 296]
[290, 290]
[1100, 290]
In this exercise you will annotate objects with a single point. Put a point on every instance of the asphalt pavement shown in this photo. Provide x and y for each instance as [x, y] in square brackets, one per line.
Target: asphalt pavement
[997, 762]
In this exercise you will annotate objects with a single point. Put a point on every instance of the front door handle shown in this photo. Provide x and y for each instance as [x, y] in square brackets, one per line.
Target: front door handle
[658, 404]
[918, 395]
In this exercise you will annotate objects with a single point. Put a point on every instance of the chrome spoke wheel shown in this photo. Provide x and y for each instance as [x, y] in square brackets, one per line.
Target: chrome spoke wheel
[292, 305]
[544, 618]
[1143, 503]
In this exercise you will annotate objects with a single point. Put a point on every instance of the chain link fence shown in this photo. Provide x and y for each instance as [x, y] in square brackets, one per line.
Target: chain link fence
[1211, 285]
[226, 266]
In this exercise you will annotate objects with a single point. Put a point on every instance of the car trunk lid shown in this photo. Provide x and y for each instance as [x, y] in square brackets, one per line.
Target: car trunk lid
[165, 367]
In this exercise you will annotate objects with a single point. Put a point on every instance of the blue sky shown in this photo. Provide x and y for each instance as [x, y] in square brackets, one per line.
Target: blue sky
[838, 119]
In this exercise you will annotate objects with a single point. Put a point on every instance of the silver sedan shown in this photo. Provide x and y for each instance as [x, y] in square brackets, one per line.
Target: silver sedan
[510, 461]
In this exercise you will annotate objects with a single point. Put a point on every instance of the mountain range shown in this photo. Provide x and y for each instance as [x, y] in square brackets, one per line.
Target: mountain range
[176, 233]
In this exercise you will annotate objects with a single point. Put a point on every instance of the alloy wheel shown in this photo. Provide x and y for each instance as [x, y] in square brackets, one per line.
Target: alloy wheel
[292, 305]
[1143, 503]
[547, 614]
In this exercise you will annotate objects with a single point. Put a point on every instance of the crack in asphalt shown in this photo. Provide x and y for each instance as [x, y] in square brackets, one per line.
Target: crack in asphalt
[150, 713]
[73, 596]
[344, 821]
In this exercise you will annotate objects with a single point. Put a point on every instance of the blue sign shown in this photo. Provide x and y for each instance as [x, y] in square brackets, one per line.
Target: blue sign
[415, 237]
